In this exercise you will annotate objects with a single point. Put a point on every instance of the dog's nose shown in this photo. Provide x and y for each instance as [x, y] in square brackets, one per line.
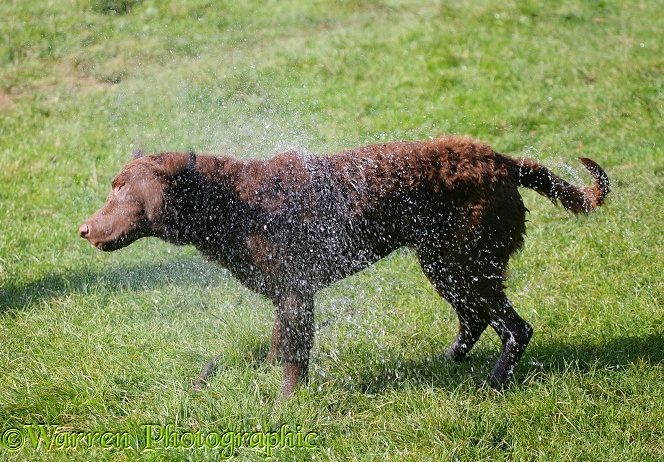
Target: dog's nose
[84, 230]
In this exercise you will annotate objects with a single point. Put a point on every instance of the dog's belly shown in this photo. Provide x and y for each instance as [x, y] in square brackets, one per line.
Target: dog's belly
[314, 257]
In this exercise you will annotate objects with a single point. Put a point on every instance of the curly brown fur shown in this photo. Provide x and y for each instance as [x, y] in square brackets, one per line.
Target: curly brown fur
[290, 225]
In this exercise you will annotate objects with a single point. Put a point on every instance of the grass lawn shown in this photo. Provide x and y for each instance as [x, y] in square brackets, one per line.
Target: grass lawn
[99, 348]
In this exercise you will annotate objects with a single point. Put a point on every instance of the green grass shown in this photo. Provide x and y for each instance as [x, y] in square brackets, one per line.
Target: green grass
[95, 342]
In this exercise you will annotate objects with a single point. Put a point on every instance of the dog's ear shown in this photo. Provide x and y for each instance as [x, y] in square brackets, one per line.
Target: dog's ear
[137, 153]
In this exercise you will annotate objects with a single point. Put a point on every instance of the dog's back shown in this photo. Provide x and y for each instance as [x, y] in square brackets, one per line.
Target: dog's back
[325, 217]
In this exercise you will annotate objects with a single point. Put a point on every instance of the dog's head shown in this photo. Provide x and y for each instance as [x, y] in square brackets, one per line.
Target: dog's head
[135, 207]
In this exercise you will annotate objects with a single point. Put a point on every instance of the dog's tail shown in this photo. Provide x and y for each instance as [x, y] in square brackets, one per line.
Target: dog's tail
[578, 199]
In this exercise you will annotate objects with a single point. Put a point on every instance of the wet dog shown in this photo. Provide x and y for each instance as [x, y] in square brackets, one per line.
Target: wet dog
[290, 225]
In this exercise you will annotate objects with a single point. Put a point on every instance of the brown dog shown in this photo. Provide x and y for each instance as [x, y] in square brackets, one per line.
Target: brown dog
[291, 225]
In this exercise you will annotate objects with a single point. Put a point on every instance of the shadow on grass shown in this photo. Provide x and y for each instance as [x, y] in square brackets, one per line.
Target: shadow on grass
[394, 372]
[179, 272]
[539, 361]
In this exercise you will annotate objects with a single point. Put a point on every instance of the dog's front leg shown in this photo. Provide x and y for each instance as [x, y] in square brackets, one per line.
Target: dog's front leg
[292, 338]
[275, 344]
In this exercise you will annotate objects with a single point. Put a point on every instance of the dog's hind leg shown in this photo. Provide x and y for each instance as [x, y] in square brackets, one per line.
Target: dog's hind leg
[471, 327]
[514, 333]
[449, 282]
[475, 289]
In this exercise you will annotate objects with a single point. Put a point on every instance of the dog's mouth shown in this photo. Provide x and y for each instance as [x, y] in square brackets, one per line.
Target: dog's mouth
[109, 246]
[104, 242]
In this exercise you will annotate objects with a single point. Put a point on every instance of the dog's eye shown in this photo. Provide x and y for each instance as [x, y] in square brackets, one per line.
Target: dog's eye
[120, 186]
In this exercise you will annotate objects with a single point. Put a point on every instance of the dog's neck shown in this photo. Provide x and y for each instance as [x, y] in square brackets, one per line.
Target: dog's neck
[198, 203]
